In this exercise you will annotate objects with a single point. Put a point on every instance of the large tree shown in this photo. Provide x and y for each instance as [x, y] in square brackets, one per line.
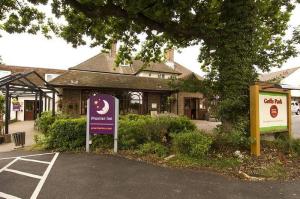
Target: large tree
[237, 37]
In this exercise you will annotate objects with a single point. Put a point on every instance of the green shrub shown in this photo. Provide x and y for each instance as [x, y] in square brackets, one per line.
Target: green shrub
[67, 134]
[192, 143]
[177, 124]
[153, 148]
[295, 146]
[44, 122]
[102, 141]
[288, 145]
[234, 139]
[135, 130]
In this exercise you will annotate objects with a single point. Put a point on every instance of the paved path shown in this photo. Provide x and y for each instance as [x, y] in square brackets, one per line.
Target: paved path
[96, 176]
[296, 126]
[28, 127]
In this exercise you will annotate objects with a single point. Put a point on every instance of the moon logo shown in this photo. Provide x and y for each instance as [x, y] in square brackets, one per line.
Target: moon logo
[105, 108]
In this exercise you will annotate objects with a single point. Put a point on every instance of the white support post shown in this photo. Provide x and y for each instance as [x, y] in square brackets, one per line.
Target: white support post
[116, 125]
[87, 142]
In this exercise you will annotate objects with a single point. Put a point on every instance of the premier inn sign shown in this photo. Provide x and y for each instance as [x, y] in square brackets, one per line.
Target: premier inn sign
[273, 113]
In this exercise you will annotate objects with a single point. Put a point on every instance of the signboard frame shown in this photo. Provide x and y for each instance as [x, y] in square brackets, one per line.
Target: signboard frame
[116, 122]
[255, 130]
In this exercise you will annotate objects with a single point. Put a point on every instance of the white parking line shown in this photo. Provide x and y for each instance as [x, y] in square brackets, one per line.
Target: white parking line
[7, 196]
[44, 177]
[8, 165]
[23, 173]
[41, 178]
[32, 160]
[24, 156]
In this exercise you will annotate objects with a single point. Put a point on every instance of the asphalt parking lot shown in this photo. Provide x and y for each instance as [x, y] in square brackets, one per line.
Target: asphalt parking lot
[80, 175]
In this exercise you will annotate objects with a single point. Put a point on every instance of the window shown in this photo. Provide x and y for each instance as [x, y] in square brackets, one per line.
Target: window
[49, 77]
[161, 75]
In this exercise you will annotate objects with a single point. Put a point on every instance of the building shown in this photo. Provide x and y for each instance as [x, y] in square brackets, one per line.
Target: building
[27, 103]
[288, 77]
[141, 89]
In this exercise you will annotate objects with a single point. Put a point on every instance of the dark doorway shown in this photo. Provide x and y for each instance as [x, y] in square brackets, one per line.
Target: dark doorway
[190, 108]
[29, 106]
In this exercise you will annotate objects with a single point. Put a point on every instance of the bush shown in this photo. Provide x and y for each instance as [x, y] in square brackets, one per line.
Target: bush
[235, 139]
[135, 130]
[102, 141]
[153, 148]
[192, 143]
[288, 145]
[67, 134]
[44, 122]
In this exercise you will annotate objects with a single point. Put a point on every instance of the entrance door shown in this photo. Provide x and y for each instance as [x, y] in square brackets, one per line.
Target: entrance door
[190, 108]
[29, 110]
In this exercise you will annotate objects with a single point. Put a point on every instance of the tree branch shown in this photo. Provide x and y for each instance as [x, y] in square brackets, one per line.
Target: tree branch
[109, 10]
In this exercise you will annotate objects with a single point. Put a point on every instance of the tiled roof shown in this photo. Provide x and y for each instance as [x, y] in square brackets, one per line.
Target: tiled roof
[104, 63]
[108, 80]
[185, 73]
[278, 75]
[21, 69]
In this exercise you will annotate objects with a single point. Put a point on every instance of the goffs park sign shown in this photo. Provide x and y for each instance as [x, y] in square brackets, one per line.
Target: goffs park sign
[270, 112]
[102, 117]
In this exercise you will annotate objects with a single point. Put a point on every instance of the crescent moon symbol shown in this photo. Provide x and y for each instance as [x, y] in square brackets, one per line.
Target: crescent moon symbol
[105, 109]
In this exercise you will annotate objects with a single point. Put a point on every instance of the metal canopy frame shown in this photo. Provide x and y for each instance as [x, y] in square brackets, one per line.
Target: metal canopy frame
[27, 84]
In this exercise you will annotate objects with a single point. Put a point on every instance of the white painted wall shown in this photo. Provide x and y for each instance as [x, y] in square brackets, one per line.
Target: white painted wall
[21, 112]
[153, 74]
[293, 80]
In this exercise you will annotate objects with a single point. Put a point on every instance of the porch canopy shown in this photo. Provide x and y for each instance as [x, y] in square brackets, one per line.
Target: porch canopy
[25, 85]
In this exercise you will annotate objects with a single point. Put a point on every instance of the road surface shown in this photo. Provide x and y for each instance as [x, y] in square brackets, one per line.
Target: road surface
[88, 176]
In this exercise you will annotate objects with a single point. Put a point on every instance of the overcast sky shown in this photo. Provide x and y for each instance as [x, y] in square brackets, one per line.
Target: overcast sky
[37, 51]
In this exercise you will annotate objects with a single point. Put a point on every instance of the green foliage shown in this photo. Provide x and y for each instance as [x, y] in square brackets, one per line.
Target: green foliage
[153, 148]
[192, 143]
[273, 170]
[234, 140]
[135, 130]
[189, 84]
[102, 141]
[288, 145]
[67, 134]
[222, 163]
[44, 122]
[2, 102]
[236, 37]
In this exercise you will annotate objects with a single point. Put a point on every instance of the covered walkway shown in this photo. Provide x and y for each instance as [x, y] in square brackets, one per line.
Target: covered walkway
[26, 84]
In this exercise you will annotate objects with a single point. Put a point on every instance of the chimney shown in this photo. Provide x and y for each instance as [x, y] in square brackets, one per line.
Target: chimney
[170, 55]
[113, 49]
[170, 58]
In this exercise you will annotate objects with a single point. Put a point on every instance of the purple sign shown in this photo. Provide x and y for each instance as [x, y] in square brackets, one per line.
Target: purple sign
[16, 107]
[102, 114]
